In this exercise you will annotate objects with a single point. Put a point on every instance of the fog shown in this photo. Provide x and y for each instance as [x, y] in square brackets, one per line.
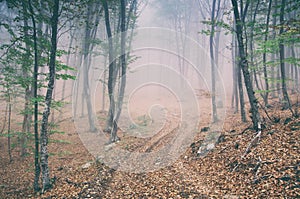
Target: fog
[170, 69]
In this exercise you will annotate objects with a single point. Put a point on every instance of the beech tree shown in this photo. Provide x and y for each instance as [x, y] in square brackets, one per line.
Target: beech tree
[287, 103]
[118, 59]
[244, 63]
[48, 99]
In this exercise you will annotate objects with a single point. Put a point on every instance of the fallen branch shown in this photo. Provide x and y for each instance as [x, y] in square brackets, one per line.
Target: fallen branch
[256, 170]
[253, 142]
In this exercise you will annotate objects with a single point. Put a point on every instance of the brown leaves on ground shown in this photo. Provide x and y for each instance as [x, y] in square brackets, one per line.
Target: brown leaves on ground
[270, 170]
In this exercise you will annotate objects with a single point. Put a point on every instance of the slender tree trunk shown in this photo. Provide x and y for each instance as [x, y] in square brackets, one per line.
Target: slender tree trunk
[213, 69]
[124, 56]
[104, 86]
[44, 128]
[273, 71]
[27, 117]
[35, 89]
[234, 100]
[240, 85]
[86, 66]
[251, 45]
[68, 63]
[245, 68]
[241, 92]
[9, 126]
[111, 123]
[122, 59]
[266, 96]
[78, 77]
[282, 57]
[296, 76]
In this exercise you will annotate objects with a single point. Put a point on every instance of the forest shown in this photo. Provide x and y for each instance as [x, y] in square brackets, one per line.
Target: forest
[149, 99]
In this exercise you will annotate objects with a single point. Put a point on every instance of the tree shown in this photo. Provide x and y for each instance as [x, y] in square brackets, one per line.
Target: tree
[35, 88]
[112, 124]
[28, 48]
[266, 96]
[117, 58]
[88, 45]
[287, 103]
[46, 183]
[244, 65]
[212, 60]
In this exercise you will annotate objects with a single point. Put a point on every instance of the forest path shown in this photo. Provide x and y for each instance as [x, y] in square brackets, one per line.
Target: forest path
[271, 169]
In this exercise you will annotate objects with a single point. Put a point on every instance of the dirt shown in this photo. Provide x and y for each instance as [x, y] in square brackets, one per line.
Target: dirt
[270, 170]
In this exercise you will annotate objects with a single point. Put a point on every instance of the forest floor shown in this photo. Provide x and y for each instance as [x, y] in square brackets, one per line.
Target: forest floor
[270, 170]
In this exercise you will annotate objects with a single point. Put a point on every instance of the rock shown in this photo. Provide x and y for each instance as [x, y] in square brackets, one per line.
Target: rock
[210, 146]
[87, 165]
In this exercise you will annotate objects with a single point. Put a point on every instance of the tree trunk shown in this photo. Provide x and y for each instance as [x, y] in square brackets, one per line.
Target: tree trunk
[240, 84]
[9, 125]
[111, 123]
[296, 76]
[273, 71]
[35, 89]
[245, 68]
[104, 86]
[282, 57]
[68, 63]
[122, 59]
[213, 66]
[234, 100]
[241, 92]
[86, 66]
[44, 128]
[27, 117]
[251, 45]
[266, 96]
[125, 22]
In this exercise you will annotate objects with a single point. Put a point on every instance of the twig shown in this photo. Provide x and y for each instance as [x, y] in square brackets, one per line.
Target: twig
[254, 141]
[257, 169]
[223, 149]
[10, 46]
[236, 166]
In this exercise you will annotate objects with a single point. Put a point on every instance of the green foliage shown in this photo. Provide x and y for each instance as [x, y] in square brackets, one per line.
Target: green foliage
[65, 76]
[54, 131]
[60, 67]
[217, 23]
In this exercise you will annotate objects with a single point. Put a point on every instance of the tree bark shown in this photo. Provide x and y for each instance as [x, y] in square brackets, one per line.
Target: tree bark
[111, 123]
[274, 79]
[245, 68]
[35, 88]
[282, 57]
[46, 184]
[234, 100]
[86, 66]
[9, 125]
[122, 59]
[240, 83]
[213, 66]
[27, 117]
[266, 96]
